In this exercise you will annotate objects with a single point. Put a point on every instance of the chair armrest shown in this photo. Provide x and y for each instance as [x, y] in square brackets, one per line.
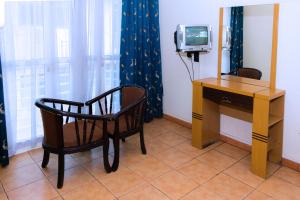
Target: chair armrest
[129, 107]
[90, 102]
[72, 103]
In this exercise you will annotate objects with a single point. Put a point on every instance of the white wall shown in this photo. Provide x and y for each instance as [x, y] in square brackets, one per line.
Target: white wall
[257, 40]
[178, 89]
[225, 67]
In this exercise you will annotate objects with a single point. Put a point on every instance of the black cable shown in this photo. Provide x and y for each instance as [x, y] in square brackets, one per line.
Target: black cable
[187, 68]
[193, 68]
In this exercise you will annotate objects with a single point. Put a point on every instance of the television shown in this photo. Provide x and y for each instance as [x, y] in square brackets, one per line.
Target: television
[193, 38]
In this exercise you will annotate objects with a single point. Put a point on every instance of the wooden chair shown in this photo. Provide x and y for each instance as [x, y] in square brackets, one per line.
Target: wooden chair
[127, 115]
[246, 72]
[67, 132]
[249, 73]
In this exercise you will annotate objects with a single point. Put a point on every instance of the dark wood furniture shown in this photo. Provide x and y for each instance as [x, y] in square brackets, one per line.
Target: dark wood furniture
[125, 105]
[249, 73]
[246, 73]
[67, 131]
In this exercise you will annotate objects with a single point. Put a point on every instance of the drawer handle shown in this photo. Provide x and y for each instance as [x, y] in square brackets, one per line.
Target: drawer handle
[225, 100]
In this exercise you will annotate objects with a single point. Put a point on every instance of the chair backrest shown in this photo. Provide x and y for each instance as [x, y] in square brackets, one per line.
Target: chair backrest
[131, 94]
[133, 97]
[52, 124]
[249, 73]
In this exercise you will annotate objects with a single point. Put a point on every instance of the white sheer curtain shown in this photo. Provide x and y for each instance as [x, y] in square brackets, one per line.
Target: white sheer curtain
[67, 49]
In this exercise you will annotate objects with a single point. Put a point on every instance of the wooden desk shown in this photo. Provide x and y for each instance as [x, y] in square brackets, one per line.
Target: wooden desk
[245, 100]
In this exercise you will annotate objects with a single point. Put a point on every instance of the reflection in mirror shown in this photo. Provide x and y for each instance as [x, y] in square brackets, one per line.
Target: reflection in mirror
[247, 41]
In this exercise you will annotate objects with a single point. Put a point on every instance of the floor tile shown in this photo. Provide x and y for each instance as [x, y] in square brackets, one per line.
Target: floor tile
[171, 138]
[150, 168]
[2, 193]
[186, 147]
[216, 160]
[156, 146]
[20, 160]
[89, 191]
[184, 132]
[228, 187]
[279, 189]
[256, 195]
[145, 193]
[58, 198]
[131, 158]
[289, 175]
[271, 167]
[174, 184]
[74, 179]
[37, 154]
[243, 173]
[173, 157]
[198, 171]
[122, 181]
[52, 167]
[21, 176]
[172, 169]
[214, 145]
[96, 168]
[232, 151]
[38, 190]
[154, 132]
[3, 196]
[202, 194]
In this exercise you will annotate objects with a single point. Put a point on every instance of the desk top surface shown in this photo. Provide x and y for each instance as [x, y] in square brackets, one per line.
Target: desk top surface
[242, 88]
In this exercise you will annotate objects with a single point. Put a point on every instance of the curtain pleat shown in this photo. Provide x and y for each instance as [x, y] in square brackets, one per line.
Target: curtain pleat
[140, 52]
[3, 135]
[237, 24]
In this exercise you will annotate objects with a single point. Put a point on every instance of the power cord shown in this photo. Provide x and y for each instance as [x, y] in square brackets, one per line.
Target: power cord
[193, 68]
[192, 76]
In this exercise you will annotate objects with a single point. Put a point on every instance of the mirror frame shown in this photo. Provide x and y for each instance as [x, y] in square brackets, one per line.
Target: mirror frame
[272, 82]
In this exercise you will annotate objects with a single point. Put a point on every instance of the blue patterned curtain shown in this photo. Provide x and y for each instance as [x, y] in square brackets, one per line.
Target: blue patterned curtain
[3, 137]
[140, 61]
[236, 23]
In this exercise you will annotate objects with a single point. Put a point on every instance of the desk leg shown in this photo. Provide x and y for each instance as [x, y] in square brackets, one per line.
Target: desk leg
[259, 157]
[197, 116]
[260, 136]
[206, 119]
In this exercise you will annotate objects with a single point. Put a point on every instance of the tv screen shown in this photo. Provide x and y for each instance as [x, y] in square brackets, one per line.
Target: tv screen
[196, 35]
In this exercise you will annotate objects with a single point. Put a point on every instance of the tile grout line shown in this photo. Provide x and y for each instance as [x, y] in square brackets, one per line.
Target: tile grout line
[4, 190]
[100, 181]
[48, 180]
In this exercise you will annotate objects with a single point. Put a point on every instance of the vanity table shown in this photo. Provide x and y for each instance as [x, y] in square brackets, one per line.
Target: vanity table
[255, 101]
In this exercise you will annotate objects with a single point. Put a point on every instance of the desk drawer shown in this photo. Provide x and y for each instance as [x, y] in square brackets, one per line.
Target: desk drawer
[228, 98]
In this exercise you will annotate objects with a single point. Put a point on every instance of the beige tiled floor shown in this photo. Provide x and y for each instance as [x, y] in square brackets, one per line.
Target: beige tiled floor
[172, 169]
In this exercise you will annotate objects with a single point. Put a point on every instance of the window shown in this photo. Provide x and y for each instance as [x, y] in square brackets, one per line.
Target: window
[59, 49]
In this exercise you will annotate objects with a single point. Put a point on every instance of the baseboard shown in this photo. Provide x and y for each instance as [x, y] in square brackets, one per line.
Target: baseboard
[290, 164]
[285, 162]
[235, 143]
[178, 121]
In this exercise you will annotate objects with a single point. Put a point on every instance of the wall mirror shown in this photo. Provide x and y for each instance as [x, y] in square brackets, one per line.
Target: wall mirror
[248, 42]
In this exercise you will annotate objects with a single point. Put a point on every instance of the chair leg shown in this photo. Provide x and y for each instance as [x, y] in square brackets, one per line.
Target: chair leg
[61, 170]
[116, 142]
[105, 157]
[143, 147]
[45, 159]
[123, 140]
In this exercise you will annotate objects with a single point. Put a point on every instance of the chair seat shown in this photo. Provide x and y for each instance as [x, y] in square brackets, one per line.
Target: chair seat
[70, 138]
[111, 125]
